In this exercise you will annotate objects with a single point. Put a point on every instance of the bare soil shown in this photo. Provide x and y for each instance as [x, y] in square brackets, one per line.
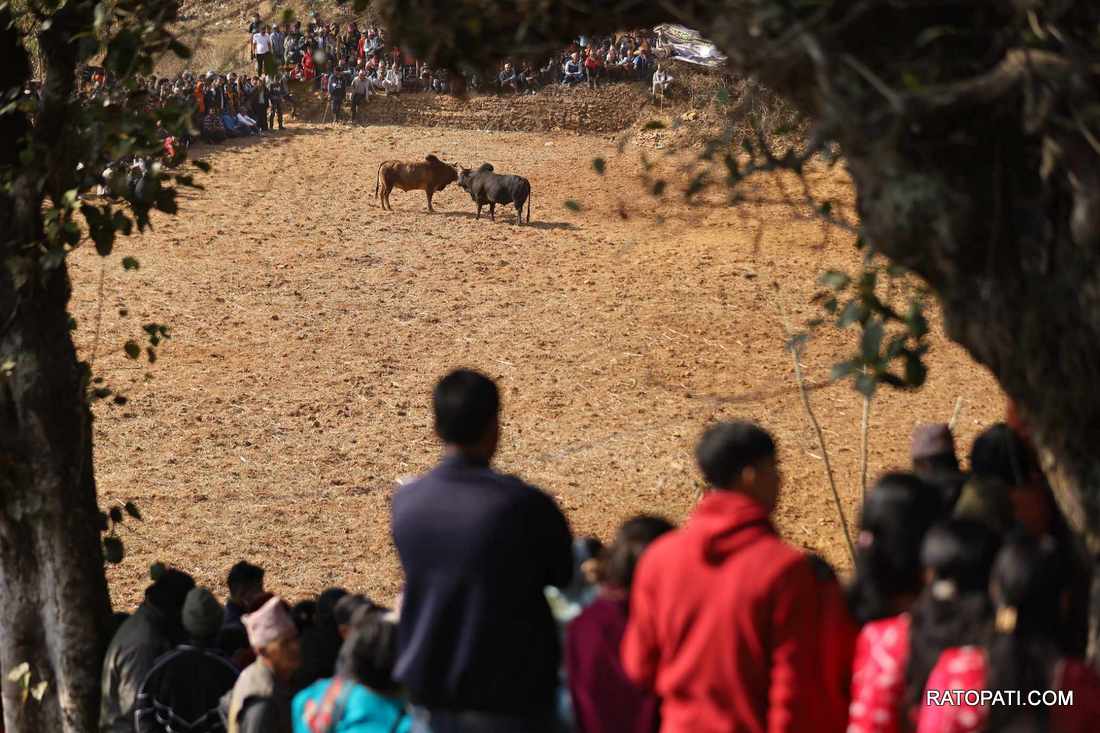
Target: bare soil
[308, 327]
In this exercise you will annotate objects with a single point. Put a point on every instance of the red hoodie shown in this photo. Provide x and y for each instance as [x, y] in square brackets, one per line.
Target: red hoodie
[737, 631]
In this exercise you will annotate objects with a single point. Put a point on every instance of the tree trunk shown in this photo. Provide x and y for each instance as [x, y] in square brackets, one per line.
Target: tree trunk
[54, 605]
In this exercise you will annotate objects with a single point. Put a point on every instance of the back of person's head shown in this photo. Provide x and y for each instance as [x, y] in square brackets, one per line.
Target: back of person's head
[896, 515]
[304, 613]
[633, 537]
[244, 576]
[369, 654]
[954, 608]
[169, 591]
[1028, 587]
[466, 405]
[728, 448]
[202, 615]
[344, 611]
[326, 605]
[999, 453]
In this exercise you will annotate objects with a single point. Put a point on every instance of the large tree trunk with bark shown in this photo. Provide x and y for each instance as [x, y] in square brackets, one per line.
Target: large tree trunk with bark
[54, 605]
[966, 129]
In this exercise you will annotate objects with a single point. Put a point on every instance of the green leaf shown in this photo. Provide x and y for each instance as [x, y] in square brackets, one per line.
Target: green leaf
[830, 305]
[654, 125]
[659, 187]
[915, 370]
[120, 400]
[18, 672]
[826, 208]
[202, 165]
[572, 205]
[871, 342]
[599, 165]
[835, 279]
[844, 369]
[132, 510]
[854, 312]
[132, 349]
[151, 353]
[39, 690]
[130, 263]
[115, 513]
[866, 383]
[156, 570]
[918, 324]
[113, 550]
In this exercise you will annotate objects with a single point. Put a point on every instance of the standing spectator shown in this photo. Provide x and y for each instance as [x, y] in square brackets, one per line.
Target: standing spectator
[336, 92]
[730, 626]
[360, 92]
[592, 68]
[153, 629]
[604, 699]
[953, 609]
[254, 27]
[363, 698]
[277, 91]
[1028, 587]
[260, 700]
[261, 47]
[933, 455]
[278, 48]
[261, 102]
[573, 70]
[896, 515]
[479, 650]
[185, 686]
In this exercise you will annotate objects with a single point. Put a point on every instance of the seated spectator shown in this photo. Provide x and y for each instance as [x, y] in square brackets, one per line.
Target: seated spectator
[1028, 588]
[604, 699]
[898, 512]
[507, 79]
[364, 698]
[661, 82]
[344, 613]
[320, 644]
[953, 609]
[153, 629]
[260, 699]
[730, 626]
[479, 649]
[573, 71]
[185, 686]
[391, 82]
[212, 130]
[933, 454]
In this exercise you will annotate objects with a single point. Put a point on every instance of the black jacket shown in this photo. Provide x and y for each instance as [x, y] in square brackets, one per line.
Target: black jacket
[183, 690]
[478, 549]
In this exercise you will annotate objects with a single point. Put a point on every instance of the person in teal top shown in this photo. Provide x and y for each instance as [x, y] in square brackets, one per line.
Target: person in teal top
[362, 697]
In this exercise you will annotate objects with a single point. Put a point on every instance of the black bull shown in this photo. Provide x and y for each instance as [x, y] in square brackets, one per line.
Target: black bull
[487, 188]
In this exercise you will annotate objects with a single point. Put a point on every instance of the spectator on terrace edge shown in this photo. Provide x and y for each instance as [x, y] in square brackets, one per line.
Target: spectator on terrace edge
[479, 650]
[733, 628]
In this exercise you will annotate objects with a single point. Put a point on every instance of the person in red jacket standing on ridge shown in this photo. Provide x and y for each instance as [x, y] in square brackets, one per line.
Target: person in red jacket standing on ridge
[733, 628]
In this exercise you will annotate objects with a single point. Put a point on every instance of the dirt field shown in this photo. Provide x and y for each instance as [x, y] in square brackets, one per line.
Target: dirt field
[309, 326]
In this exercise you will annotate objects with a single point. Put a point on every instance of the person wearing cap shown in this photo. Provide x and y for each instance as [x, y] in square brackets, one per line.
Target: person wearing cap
[260, 700]
[153, 629]
[184, 689]
[934, 460]
[479, 649]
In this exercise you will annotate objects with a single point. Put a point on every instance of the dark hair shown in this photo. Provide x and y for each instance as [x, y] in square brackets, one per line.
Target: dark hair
[244, 573]
[169, 591]
[1029, 578]
[346, 607]
[897, 514]
[304, 614]
[370, 653]
[633, 537]
[466, 404]
[953, 609]
[727, 448]
[326, 605]
[1002, 454]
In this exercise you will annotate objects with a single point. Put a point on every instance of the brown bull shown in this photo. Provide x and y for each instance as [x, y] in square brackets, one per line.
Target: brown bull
[428, 175]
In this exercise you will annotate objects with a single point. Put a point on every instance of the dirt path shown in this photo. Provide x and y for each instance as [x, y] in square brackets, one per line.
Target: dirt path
[309, 326]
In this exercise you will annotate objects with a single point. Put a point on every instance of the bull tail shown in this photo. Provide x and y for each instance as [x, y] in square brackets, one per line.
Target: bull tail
[529, 197]
[376, 178]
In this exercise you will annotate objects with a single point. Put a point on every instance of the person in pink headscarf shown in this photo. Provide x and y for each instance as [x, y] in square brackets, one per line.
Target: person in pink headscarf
[260, 701]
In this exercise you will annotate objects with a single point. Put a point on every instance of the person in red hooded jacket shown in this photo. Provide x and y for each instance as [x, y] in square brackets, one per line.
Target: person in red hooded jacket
[734, 629]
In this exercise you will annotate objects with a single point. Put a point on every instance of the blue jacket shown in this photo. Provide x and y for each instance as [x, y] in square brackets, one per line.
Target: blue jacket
[356, 709]
[478, 549]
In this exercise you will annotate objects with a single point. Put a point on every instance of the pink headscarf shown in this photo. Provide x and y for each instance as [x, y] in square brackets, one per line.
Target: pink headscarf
[269, 624]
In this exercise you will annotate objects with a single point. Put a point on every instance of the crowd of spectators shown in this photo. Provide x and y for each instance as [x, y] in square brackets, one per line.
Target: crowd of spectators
[963, 582]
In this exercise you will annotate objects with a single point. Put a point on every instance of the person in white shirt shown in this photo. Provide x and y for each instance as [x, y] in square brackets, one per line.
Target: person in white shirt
[392, 81]
[661, 81]
[261, 46]
[360, 92]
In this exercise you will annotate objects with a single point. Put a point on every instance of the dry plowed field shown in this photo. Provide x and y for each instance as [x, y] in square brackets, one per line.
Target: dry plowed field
[308, 327]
